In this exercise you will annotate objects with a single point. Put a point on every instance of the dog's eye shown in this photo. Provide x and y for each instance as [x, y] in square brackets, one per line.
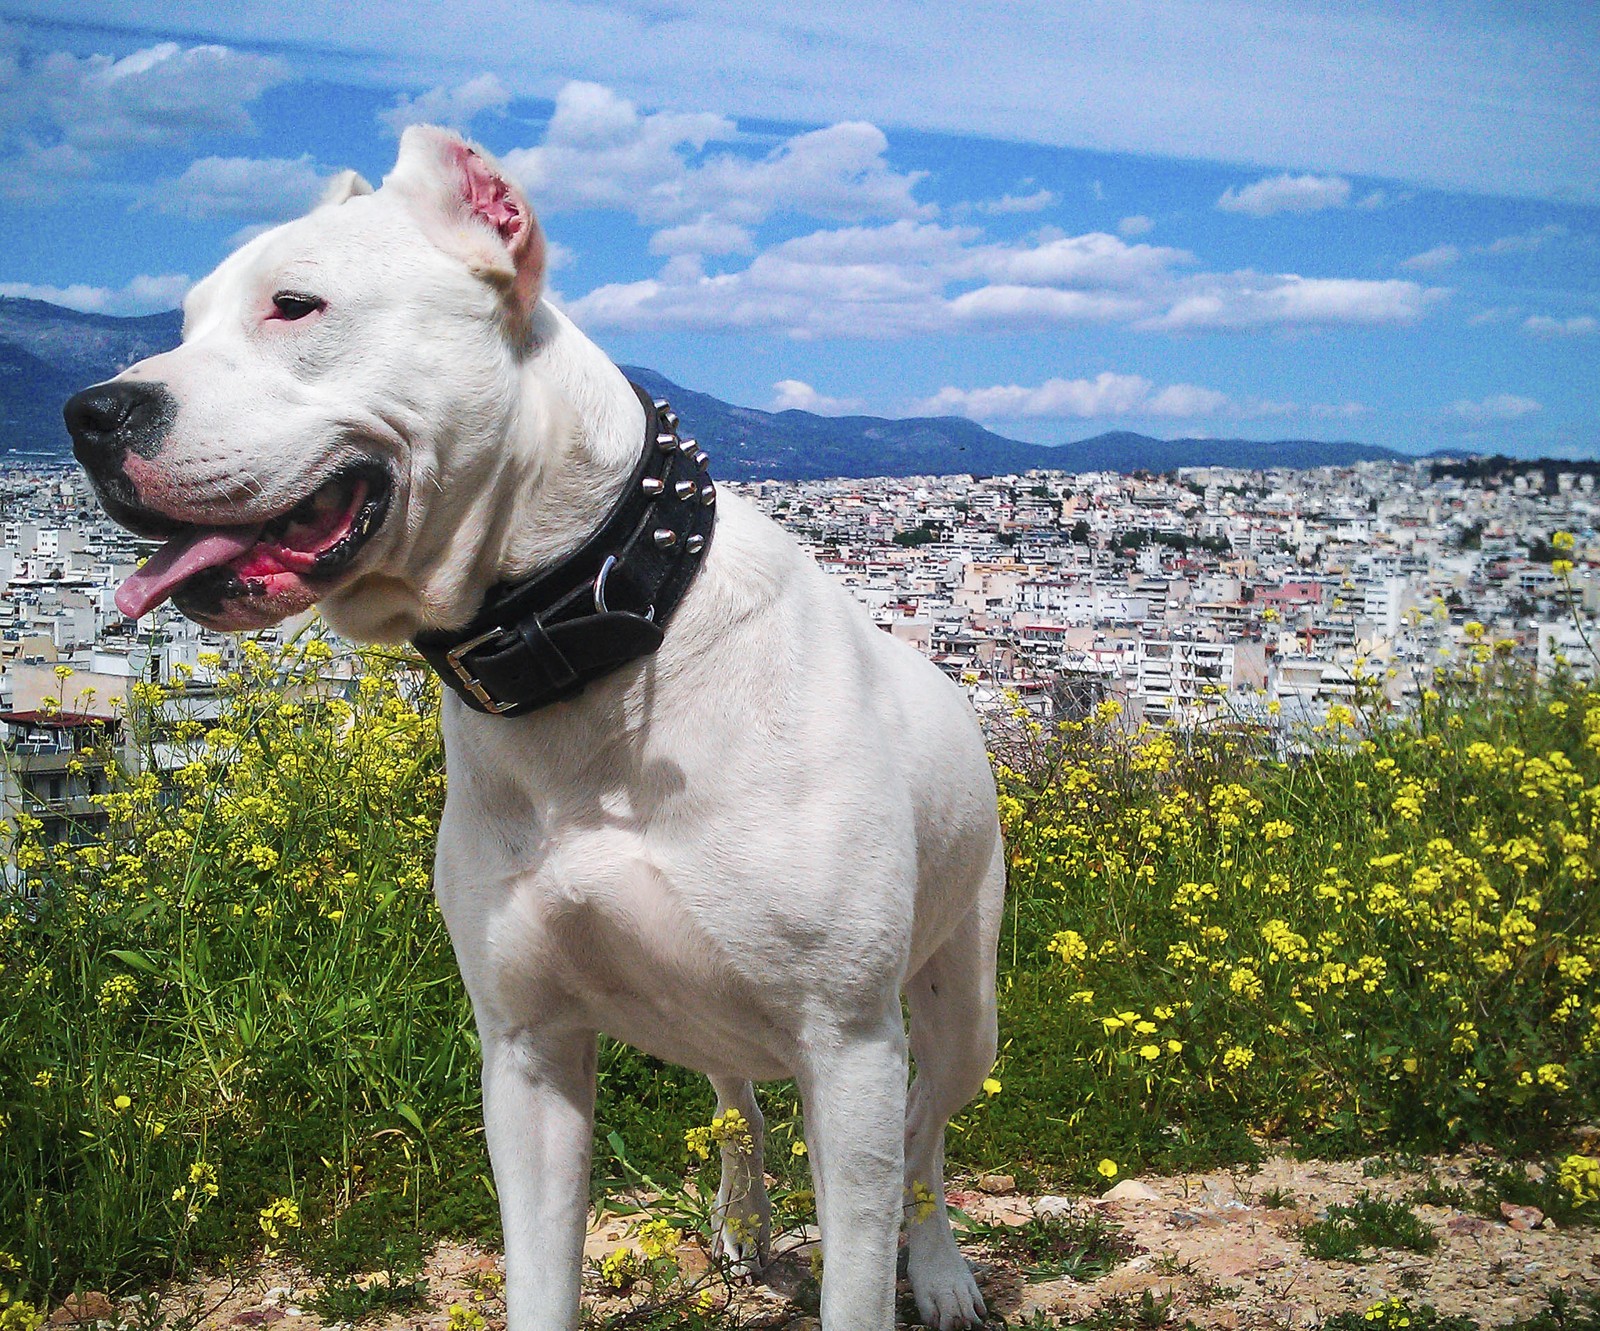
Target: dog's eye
[293, 305]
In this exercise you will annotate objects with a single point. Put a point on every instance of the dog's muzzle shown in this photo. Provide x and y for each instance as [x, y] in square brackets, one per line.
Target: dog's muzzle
[111, 420]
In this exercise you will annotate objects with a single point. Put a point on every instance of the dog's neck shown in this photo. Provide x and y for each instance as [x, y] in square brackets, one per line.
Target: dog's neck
[576, 442]
[570, 444]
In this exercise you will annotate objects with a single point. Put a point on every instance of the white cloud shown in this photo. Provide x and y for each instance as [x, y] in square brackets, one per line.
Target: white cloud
[41, 174]
[1526, 242]
[1371, 202]
[62, 114]
[1493, 99]
[1253, 300]
[600, 152]
[1035, 202]
[1137, 225]
[261, 190]
[457, 106]
[1286, 194]
[1010, 304]
[1580, 325]
[162, 95]
[707, 236]
[917, 277]
[1092, 260]
[1106, 395]
[797, 395]
[143, 295]
[1440, 256]
[1497, 408]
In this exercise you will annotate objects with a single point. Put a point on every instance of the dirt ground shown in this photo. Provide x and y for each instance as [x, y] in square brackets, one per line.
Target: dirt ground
[1228, 1260]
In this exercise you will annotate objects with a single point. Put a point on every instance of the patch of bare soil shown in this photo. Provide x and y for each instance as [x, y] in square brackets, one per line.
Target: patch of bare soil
[1227, 1259]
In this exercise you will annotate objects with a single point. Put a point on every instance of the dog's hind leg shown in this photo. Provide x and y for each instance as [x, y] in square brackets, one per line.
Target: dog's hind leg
[744, 1212]
[953, 1035]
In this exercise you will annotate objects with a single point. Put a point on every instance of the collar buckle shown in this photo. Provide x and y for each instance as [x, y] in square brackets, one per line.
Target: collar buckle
[470, 682]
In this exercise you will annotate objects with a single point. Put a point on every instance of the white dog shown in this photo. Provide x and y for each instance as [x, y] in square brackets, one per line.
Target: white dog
[736, 852]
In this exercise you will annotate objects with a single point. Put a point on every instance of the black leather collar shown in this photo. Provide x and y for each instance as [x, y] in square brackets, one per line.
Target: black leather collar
[540, 639]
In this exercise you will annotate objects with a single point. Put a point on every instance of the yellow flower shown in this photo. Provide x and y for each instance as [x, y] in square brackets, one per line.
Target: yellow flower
[280, 1211]
[122, 1103]
[1580, 1176]
[1068, 944]
[1553, 1075]
[1237, 1058]
[1107, 1169]
[657, 1238]
[799, 1148]
[991, 1086]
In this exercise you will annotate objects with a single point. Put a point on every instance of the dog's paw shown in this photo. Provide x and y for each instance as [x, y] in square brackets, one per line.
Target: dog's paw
[744, 1245]
[743, 1226]
[947, 1296]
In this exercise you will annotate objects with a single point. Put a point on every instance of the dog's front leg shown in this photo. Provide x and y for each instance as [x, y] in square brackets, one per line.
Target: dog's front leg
[538, 1118]
[854, 1092]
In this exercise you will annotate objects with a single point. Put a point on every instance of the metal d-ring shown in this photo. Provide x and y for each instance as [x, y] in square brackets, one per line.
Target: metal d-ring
[609, 563]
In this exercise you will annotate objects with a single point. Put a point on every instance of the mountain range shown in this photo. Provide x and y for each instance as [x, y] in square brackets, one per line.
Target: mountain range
[47, 353]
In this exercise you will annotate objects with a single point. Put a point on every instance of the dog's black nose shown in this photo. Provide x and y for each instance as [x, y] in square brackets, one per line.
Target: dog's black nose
[111, 419]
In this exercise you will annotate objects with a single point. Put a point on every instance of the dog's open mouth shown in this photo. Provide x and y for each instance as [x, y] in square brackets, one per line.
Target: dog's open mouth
[282, 559]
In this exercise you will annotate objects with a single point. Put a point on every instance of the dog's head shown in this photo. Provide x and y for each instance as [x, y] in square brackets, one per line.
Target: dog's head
[339, 406]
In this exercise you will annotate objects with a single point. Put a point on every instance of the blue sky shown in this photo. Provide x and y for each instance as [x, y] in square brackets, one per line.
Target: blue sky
[1240, 217]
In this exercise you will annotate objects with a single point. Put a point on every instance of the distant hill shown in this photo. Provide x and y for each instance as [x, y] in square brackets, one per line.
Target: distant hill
[747, 444]
[47, 353]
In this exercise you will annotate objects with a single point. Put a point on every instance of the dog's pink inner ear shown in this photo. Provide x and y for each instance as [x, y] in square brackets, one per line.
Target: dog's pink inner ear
[489, 197]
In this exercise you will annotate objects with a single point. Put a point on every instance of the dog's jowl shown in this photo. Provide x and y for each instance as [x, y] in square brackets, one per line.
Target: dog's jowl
[697, 801]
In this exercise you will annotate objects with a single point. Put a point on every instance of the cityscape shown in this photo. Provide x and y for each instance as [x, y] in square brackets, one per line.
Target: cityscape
[1206, 596]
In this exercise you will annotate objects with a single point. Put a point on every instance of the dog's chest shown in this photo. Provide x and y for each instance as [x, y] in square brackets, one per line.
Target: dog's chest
[598, 926]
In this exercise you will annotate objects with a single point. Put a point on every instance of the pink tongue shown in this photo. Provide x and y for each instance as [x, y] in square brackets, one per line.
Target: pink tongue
[180, 558]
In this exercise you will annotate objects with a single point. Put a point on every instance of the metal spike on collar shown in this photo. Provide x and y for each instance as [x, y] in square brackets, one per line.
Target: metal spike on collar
[708, 495]
[666, 442]
[660, 403]
[665, 538]
[695, 544]
[652, 485]
[701, 458]
[686, 446]
[671, 418]
[684, 489]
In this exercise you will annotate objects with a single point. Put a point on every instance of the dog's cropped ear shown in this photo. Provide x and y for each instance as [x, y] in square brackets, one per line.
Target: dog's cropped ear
[342, 188]
[469, 207]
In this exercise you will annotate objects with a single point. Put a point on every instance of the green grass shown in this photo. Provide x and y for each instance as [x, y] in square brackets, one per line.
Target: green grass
[1390, 943]
[1061, 1246]
[1367, 1222]
[348, 1300]
[1561, 1312]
